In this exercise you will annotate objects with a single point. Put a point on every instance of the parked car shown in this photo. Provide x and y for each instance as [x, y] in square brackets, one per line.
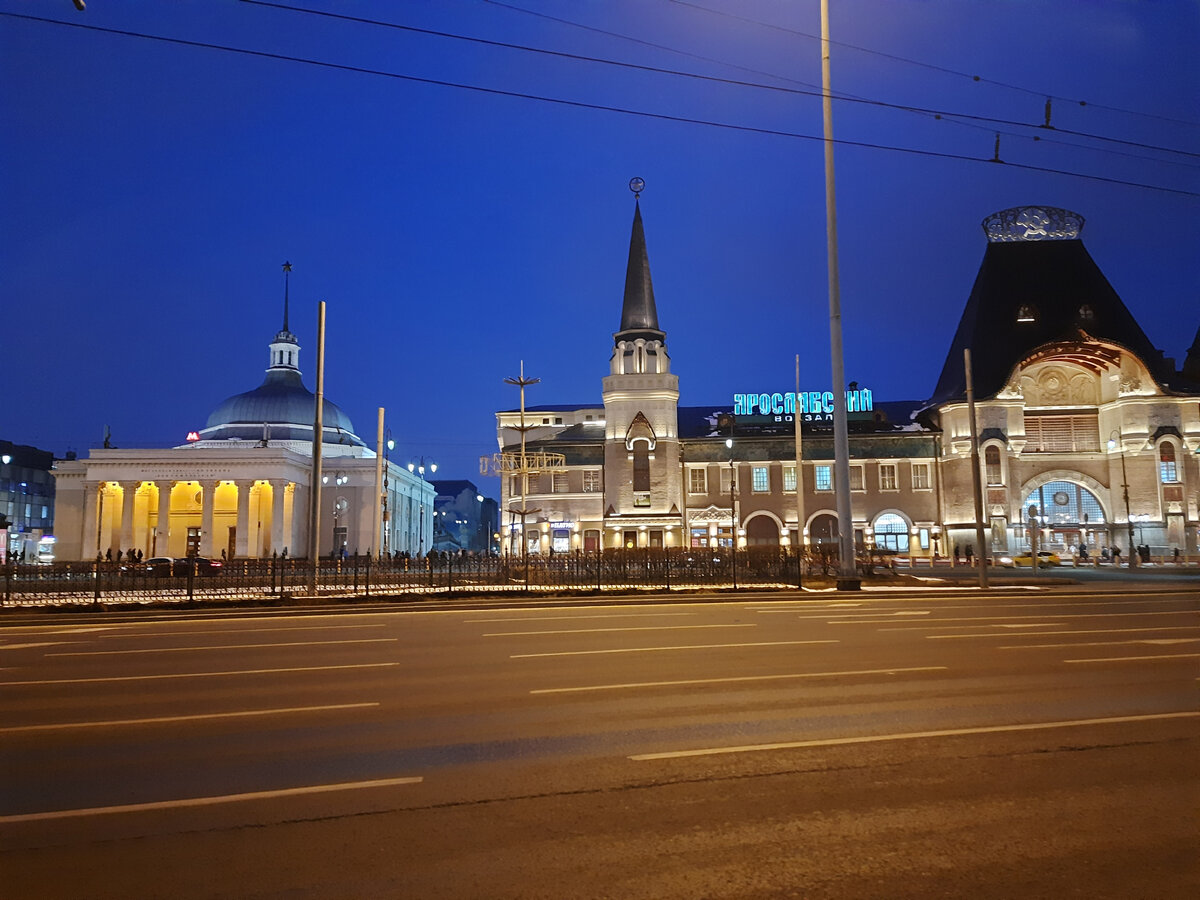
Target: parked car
[159, 566]
[203, 565]
[1046, 558]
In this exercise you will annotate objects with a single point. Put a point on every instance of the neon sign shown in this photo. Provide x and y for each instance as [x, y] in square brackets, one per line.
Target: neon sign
[808, 402]
[193, 436]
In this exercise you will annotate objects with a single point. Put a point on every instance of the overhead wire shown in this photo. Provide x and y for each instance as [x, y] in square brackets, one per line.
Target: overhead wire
[579, 104]
[937, 114]
[936, 68]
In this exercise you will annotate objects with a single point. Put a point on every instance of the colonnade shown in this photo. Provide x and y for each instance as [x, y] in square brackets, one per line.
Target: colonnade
[165, 517]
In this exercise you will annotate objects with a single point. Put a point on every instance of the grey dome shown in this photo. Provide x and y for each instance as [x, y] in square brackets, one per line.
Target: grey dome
[286, 405]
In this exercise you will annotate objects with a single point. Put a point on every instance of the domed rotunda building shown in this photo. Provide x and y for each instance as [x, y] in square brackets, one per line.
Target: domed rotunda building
[242, 486]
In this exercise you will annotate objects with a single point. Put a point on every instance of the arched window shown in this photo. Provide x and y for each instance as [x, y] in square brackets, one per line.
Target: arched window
[891, 533]
[1064, 503]
[1167, 473]
[641, 469]
[991, 458]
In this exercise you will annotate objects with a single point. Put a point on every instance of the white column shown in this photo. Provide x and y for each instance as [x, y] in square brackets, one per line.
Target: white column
[243, 518]
[91, 519]
[208, 502]
[128, 490]
[162, 546]
[278, 492]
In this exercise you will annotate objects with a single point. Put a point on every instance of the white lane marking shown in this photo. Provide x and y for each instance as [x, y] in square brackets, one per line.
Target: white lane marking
[913, 735]
[199, 674]
[224, 647]
[996, 634]
[197, 717]
[636, 628]
[740, 678]
[1124, 615]
[206, 633]
[207, 801]
[27, 646]
[1160, 642]
[651, 649]
[1136, 658]
[597, 616]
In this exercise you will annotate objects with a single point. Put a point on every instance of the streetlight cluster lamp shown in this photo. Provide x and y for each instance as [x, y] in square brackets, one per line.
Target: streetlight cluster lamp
[1116, 436]
[419, 468]
[339, 478]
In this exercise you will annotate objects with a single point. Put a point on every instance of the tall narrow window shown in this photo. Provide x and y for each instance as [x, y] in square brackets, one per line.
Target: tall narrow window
[789, 478]
[823, 478]
[1167, 472]
[856, 478]
[760, 481]
[920, 476]
[887, 476]
[641, 466]
[697, 481]
[991, 458]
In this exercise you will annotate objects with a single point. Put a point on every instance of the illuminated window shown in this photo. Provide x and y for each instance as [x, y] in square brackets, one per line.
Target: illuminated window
[1086, 314]
[891, 533]
[789, 478]
[697, 481]
[1167, 473]
[856, 478]
[991, 459]
[591, 481]
[760, 481]
[920, 476]
[887, 477]
[1026, 313]
[823, 478]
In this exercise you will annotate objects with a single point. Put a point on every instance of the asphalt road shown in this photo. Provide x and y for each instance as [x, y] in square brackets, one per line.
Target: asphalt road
[1028, 743]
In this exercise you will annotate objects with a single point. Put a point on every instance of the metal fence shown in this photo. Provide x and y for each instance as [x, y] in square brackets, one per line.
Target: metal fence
[250, 581]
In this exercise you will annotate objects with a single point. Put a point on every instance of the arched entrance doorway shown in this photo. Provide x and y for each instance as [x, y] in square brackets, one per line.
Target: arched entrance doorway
[762, 531]
[1069, 516]
[891, 533]
[823, 529]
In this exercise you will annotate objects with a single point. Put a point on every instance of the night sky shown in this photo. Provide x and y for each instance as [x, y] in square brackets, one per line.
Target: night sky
[150, 191]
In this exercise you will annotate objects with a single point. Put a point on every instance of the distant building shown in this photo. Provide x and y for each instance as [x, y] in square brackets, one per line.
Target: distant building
[1074, 404]
[241, 486]
[463, 518]
[26, 502]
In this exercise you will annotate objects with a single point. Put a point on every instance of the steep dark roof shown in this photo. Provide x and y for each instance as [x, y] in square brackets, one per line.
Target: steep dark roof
[639, 316]
[1070, 298]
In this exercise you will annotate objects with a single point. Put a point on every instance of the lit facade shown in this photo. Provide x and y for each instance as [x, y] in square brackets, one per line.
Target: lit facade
[242, 487]
[1073, 405]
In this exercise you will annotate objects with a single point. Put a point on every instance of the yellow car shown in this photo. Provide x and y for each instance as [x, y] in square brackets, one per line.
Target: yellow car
[1046, 559]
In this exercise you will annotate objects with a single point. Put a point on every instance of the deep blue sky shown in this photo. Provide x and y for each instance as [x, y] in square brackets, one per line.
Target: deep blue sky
[150, 191]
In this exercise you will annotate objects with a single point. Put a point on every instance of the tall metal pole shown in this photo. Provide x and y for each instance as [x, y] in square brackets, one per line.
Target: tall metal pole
[378, 524]
[799, 487]
[976, 480]
[841, 440]
[314, 496]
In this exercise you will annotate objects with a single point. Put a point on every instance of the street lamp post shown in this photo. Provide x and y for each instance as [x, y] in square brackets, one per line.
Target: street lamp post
[388, 446]
[1112, 443]
[419, 468]
[733, 505]
[339, 478]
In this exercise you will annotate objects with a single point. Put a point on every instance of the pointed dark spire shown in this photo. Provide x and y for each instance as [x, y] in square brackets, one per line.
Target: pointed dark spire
[287, 273]
[639, 317]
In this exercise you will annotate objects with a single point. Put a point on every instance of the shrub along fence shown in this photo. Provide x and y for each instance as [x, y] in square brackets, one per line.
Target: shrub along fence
[362, 577]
